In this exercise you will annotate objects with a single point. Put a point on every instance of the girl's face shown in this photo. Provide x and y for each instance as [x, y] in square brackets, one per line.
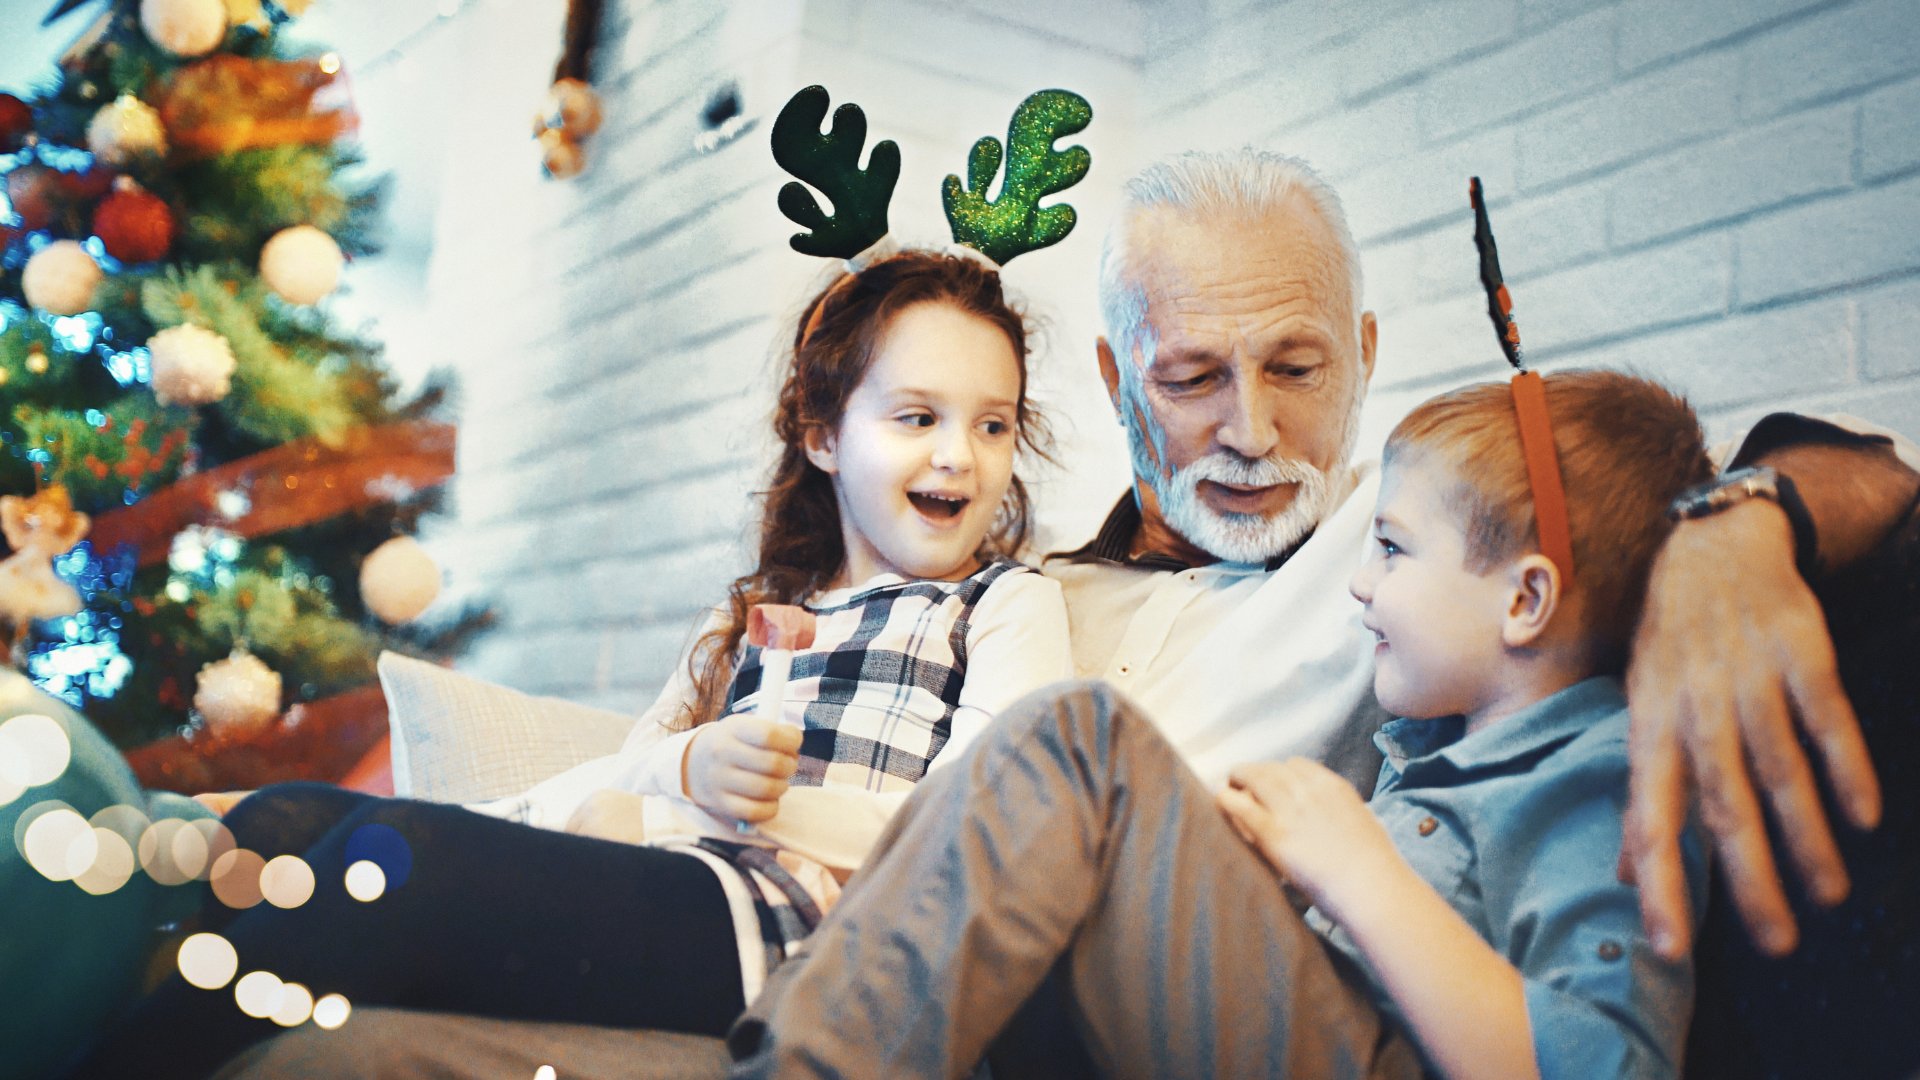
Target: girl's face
[924, 453]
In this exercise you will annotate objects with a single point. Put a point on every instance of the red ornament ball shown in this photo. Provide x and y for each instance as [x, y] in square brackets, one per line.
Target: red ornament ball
[16, 123]
[86, 186]
[134, 226]
[31, 189]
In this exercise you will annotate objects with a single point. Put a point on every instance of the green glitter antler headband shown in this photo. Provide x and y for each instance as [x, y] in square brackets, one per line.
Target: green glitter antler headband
[1013, 224]
[831, 163]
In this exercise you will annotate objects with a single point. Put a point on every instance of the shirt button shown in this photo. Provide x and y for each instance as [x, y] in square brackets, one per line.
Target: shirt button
[1126, 669]
[1428, 824]
[1610, 951]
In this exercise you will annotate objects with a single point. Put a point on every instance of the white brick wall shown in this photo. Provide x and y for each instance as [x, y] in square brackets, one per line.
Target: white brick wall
[1722, 192]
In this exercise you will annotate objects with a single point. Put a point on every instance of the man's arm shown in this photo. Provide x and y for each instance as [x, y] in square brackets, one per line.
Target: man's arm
[1732, 662]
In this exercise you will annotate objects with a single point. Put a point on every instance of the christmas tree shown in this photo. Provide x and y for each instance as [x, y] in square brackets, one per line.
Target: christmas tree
[208, 488]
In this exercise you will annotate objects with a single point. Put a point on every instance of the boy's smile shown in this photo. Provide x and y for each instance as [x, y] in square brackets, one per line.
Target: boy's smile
[1439, 650]
[923, 455]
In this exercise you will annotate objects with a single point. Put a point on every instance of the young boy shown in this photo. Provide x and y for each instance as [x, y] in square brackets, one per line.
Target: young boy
[1479, 894]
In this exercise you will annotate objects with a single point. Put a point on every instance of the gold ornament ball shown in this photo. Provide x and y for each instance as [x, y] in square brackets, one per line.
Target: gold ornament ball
[560, 156]
[185, 28]
[60, 278]
[189, 365]
[301, 264]
[124, 129]
[399, 580]
[238, 696]
[37, 362]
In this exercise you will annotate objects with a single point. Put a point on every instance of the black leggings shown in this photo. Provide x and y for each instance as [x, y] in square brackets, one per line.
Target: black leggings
[495, 919]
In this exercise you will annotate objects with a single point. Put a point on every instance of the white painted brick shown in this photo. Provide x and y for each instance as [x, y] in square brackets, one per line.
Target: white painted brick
[1437, 340]
[980, 48]
[1236, 115]
[1890, 130]
[1561, 62]
[1836, 241]
[1537, 13]
[1428, 37]
[1409, 272]
[1115, 28]
[1653, 30]
[1831, 53]
[1540, 234]
[1662, 109]
[1427, 186]
[1536, 236]
[1894, 405]
[1677, 282]
[1770, 356]
[1805, 154]
[1890, 333]
[1353, 138]
[1266, 42]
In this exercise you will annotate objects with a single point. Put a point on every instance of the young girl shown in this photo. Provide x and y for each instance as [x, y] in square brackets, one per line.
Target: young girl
[891, 515]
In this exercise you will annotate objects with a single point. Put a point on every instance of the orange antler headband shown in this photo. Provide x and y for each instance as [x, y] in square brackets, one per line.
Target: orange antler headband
[1529, 401]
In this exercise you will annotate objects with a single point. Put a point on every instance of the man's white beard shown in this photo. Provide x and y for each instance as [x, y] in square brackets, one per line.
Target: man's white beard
[1246, 538]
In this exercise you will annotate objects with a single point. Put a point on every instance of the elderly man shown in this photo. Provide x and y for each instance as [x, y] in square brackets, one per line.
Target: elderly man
[1237, 356]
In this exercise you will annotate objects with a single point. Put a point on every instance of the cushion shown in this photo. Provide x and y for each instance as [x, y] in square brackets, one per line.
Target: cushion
[459, 739]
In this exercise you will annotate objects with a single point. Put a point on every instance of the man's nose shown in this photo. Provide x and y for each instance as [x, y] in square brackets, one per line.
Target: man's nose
[1252, 428]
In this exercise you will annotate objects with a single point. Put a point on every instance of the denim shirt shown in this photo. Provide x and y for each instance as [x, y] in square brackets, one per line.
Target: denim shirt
[1518, 827]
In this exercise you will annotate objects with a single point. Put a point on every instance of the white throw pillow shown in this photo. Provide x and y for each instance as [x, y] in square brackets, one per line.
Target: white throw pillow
[458, 739]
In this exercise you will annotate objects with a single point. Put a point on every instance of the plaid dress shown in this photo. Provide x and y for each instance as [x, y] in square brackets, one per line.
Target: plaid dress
[876, 694]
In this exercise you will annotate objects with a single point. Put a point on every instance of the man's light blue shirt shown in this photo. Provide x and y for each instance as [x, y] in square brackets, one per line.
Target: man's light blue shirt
[1518, 827]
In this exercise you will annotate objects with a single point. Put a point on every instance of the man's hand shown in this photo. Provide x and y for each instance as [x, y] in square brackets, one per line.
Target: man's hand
[1311, 825]
[738, 767]
[610, 814]
[1731, 652]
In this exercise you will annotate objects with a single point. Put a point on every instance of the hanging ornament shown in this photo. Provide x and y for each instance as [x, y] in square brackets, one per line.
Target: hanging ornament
[191, 365]
[60, 278]
[16, 123]
[124, 129]
[571, 112]
[572, 107]
[238, 696]
[301, 264]
[399, 580]
[560, 156]
[39, 529]
[248, 13]
[31, 190]
[185, 27]
[134, 225]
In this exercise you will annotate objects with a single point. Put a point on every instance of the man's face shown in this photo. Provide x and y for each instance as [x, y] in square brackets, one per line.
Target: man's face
[1242, 407]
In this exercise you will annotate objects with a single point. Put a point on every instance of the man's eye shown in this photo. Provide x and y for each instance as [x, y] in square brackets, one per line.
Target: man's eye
[1192, 382]
[1292, 371]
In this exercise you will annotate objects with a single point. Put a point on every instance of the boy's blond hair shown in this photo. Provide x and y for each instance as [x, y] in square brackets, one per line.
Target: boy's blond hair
[1627, 447]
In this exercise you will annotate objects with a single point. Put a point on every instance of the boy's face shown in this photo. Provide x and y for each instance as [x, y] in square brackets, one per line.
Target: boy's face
[1440, 651]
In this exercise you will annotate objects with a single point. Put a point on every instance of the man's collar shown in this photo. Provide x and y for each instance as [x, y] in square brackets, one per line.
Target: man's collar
[1114, 544]
[1416, 748]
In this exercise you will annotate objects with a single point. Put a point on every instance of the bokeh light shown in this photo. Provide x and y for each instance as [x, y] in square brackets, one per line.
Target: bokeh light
[296, 1004]
[218, 839]
[366, 882]
[128, 821]
[286, 881]
[383, 846]
[54, 838]
[112, 864]
[236, 878]
[545, 1072]
[159, 852]
[258, 993]
[35, 748]
[331, 1011]
[208, 961]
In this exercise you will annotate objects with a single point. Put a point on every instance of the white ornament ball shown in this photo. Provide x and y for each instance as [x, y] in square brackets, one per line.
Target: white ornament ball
[301, 264]
[237, 696]
[399, 580]
[190, 365]
[185, 27]
[124, 129]
[60, 278]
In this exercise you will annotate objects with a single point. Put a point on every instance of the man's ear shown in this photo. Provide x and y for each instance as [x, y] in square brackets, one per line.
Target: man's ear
[1369, 342]
[1535, 596]
[1109, 372]
[822, 449]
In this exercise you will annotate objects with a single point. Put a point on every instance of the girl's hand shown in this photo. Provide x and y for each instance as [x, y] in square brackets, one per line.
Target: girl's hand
[220, 801]
[737, 768]
[1311, 825]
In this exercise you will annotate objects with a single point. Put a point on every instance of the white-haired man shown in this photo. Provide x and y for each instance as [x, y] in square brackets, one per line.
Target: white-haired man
[1073, 880]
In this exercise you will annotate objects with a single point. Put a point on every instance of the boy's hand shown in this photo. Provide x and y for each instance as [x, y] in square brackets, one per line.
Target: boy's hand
[737, 768]
[610, 814]
[1313, 827]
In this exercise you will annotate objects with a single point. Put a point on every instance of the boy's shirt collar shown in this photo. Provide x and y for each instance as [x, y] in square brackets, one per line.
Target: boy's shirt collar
[1424, 752]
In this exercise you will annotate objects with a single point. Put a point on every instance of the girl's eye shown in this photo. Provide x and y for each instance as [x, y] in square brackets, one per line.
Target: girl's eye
[994, 427]
[918, 419]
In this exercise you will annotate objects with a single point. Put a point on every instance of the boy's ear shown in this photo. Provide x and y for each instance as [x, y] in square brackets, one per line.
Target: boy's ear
[821, 449]
[1535, 598]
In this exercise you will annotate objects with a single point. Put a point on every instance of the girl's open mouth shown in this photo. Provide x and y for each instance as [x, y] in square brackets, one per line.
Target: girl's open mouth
[942, 507]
